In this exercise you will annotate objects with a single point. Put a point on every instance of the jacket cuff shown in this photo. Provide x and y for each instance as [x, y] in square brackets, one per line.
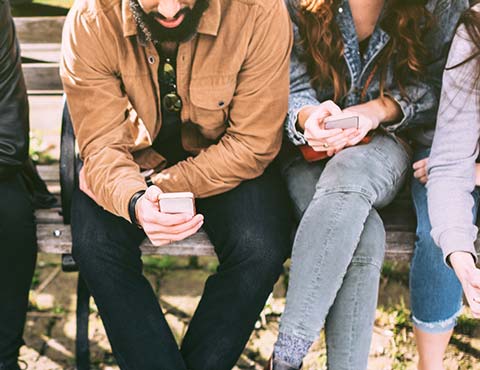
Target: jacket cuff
[456, 241]
[125, 197]
[408, 111]
[295, 136]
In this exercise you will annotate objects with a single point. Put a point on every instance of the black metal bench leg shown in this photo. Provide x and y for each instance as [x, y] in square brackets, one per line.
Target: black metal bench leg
[83, 311]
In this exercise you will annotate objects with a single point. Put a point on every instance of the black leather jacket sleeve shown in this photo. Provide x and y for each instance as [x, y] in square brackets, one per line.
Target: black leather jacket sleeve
[14, 124]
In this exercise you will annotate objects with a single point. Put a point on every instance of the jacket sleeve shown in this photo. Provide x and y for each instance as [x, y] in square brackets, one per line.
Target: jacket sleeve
[454, 152]
[420, 103]
[13, 98]
[257, 112]
[98, 107]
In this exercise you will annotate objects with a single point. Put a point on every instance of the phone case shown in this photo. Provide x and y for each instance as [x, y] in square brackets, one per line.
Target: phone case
[177, 203]
[341, 122]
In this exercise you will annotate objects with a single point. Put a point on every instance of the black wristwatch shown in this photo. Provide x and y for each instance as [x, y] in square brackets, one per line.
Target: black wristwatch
[131, 206]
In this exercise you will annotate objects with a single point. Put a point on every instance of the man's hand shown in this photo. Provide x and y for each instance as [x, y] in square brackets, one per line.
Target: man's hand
[321, 140]
[420, 170]
[469, 276]
[164, 228]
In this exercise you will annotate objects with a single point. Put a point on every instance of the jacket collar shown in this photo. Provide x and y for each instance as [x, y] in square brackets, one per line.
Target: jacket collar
[378, 40]
[209, 23]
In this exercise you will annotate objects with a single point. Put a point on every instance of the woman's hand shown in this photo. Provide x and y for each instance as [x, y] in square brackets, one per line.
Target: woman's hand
[420, 170]
[368, 119]
[371, 114]
[421, 174]
[320, 139]
[469, 276]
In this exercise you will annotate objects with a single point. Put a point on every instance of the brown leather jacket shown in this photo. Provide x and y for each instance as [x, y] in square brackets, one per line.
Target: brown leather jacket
[233, 78]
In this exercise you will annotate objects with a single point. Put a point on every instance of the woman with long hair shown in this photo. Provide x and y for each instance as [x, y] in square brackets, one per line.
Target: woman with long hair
[370, 65]
[436, 288]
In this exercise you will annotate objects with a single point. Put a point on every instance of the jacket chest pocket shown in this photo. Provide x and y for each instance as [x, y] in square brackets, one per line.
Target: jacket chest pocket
[210, 105]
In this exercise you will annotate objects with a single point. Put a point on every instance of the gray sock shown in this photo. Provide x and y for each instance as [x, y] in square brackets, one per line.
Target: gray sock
[291, 349]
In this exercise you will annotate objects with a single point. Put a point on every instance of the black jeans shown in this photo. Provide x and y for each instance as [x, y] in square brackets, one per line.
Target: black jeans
[250, 228]
[18, 252]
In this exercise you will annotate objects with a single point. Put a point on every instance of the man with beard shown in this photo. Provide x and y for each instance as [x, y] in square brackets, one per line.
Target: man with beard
[18, 248]
[178, 96]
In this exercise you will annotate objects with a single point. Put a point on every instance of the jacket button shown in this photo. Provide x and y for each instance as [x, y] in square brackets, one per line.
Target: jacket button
[221, 103]
[340, 10]
[151, 59]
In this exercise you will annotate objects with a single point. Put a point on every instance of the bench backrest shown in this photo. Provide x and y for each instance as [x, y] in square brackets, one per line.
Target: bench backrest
[40, 40]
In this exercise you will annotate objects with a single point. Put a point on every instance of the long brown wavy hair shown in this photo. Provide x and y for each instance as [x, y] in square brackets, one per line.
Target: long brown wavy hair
[406, 21]
[471, 20]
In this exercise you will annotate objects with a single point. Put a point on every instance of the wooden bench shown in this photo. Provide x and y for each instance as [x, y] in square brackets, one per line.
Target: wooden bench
[40, 42]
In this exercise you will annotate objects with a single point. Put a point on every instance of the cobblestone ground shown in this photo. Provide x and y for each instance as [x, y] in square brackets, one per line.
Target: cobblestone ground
[50, 325]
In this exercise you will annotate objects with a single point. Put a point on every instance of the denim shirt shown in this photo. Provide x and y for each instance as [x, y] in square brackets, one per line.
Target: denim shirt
[419, 106]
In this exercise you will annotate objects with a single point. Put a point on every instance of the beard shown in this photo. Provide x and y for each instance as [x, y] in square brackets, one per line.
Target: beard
[155, 32]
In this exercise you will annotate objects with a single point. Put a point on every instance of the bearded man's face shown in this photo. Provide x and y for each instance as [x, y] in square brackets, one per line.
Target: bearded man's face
[169, 20]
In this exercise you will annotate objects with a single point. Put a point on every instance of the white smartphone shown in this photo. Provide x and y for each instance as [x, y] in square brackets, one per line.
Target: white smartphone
[177, 203]
[342, 120]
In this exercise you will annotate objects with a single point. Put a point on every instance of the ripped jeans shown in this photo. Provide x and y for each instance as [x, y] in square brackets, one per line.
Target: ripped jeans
[339, 245]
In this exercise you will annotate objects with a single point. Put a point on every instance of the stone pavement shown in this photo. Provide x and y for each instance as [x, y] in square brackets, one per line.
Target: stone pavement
[50, 325]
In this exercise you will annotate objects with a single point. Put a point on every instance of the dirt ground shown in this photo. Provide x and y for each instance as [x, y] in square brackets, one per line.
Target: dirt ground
[178, 282]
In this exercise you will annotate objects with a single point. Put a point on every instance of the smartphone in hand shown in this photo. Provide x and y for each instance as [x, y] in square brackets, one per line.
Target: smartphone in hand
[342, 120]
[177, 203]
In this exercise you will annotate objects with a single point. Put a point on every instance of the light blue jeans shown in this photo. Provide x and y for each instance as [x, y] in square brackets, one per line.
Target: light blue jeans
[339, 245]
[435, 292]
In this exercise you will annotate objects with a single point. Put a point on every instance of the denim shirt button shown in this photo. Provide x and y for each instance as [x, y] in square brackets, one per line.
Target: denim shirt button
[340, 10]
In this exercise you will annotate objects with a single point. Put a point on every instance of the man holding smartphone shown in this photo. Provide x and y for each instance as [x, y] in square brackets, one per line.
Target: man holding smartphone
[18, 247]
[195, 93]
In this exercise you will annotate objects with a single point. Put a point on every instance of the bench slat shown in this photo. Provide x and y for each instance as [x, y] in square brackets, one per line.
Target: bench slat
[41, 52]
[42, 77]
[49, 173]
[49, 216]
[39, 30]
[56, 239]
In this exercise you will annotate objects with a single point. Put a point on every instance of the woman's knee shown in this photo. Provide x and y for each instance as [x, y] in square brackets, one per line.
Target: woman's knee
[371, 248]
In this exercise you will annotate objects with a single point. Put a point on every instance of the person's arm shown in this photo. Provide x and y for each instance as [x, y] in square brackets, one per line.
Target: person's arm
[419, 105]
[257, 112]
[451, 166]
[14, 125]
[98, 107]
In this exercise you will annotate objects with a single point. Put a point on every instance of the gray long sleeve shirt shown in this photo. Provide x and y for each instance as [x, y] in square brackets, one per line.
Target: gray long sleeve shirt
[454, 152]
